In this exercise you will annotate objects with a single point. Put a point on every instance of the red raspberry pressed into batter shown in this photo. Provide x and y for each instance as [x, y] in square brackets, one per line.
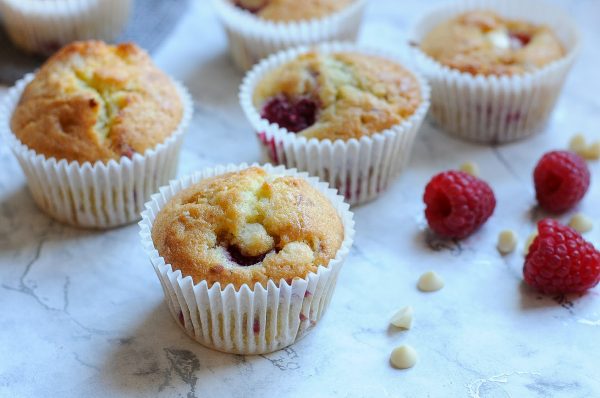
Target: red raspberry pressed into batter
[561, 180]
[457, 204]
[560, 261]
[292, 114]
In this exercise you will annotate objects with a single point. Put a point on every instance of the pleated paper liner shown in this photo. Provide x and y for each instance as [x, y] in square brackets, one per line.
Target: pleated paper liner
[255, 319]
[99, 195]
[496, 109]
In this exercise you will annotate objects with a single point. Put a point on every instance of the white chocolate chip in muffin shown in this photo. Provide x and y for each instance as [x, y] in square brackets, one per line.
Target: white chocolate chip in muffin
[592, 152]
[578, 144]
[507, 241]
[403, 357]
[403, 318]
[430, 282]
[529, 241]
[581, 223]
[499, 38]
[470, 168]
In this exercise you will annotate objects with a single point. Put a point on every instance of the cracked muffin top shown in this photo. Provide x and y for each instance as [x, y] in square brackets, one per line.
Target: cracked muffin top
[340, 95]
[246, 227]
[482, 42]
[292, 10]
[94, 102]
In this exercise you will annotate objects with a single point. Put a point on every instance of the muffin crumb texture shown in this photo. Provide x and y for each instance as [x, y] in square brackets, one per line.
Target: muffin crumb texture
[95, 102]
[292, 10]
[482, 42]
[247, 227]
[340, 95]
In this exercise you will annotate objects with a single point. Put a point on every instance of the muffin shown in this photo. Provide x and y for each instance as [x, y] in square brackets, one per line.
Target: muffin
[44, 26]
[343, 113]
[496, 68]
[484, 43]
[257, 28]
[97, 130]
[247, 256]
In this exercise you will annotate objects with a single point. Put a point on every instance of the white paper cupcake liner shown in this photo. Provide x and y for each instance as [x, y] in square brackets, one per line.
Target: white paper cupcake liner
[252, 39]
[496, 109]
[99, 195]
[44, 26]
[253, 320]
[359, 169]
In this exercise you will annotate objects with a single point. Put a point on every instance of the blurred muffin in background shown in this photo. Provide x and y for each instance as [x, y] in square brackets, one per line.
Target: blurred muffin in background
[44, 26]
[496, 67]
[258, 28]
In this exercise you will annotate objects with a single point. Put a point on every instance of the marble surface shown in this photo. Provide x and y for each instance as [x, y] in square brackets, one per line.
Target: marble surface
[83, 312]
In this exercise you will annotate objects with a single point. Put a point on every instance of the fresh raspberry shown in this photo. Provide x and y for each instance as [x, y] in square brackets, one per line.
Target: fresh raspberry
[560, 261]
[457, 204]
[291, 114]
[561, 180]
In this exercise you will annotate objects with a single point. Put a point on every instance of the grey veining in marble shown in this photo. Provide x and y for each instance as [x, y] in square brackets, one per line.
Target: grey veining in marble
[83, 312]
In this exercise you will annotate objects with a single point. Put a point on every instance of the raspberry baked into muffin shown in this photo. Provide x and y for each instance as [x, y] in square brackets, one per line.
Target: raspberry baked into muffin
[258, 28]
[248, 257]
[496, 67]
[97, 130]
[323, 109]
[483, 42]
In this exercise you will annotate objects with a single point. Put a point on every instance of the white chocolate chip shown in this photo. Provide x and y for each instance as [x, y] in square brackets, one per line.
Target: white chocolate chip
[499, 38]
[430, 282]
[592, 152]
[581, 223]
[578, 144]
[470, 168]
[507, 241]
[529, 241]
[403, 357]
[403, 318]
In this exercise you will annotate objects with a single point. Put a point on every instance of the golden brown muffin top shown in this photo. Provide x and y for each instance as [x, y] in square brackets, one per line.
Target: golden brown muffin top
[482, 42]
[292, 10]
[247, 227]
[93, 101]
[338, 95]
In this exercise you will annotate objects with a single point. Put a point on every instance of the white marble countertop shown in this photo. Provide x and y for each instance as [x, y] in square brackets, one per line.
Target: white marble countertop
[83, 312]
